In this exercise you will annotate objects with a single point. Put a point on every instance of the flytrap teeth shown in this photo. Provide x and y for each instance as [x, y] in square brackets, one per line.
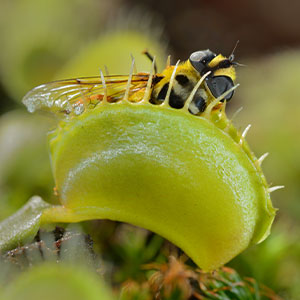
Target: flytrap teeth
[195, 89]
[168, 62]
[147, 93]
[236, 113]
[243, 136]
[275, 188]
[104, 86]
[262, 158]
[167, 98]
[210, 107]
[134, 64]
[106, 70]
[129, 80]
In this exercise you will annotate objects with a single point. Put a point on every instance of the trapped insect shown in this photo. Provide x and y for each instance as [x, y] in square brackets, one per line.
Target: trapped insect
[194, 84]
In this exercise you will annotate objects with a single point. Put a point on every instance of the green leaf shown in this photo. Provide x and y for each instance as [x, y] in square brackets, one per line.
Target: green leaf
[23, 225]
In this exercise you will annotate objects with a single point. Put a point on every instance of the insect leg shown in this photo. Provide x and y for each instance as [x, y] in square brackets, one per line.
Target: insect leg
[151, 58]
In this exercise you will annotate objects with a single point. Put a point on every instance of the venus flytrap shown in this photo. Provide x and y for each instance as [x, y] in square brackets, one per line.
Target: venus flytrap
[185, 174]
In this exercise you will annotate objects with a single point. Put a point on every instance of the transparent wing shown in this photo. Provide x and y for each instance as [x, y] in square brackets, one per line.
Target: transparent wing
[73, 96]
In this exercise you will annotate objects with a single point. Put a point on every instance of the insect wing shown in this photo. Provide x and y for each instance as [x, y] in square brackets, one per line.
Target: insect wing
[73, 96]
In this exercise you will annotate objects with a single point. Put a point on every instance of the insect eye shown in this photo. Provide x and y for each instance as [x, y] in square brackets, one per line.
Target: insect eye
[218, 85]
[200, 59]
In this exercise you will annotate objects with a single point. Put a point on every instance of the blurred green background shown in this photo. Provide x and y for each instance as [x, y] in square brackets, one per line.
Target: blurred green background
[46, 40]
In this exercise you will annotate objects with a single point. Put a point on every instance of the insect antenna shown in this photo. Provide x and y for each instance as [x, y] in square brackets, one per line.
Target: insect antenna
[151, 58]
[234, 63]
[231, 56]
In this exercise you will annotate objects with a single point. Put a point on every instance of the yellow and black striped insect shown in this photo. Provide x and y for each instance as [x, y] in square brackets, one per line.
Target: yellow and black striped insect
[194, 83]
